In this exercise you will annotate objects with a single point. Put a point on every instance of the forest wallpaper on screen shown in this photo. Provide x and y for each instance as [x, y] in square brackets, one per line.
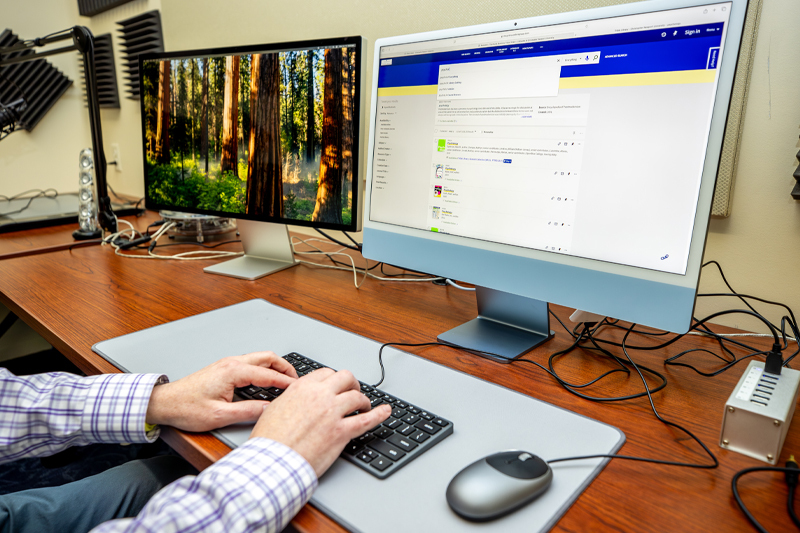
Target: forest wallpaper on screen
[262, 134]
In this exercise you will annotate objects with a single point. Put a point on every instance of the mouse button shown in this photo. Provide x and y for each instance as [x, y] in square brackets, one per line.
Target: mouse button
[520, 465]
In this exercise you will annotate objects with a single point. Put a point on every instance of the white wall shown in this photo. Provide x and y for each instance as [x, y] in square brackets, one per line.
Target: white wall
[757, 245]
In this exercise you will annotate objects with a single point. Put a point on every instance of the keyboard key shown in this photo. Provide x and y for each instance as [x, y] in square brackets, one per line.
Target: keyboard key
[410, 419]
[403, 443]
[406, 430]
[392, 423]
[353, 447]
[381, 463]
[386, 449]
[427, 427]
[389, 399]
[364, 439]
[368, 455]
[398, 413]
[400, 404]
[420, 436]
[427, 416]
[263, 396]
[440, 422]
[251, 389]
[364, 457]
[383, 433]
[375, 402]
[414, 410]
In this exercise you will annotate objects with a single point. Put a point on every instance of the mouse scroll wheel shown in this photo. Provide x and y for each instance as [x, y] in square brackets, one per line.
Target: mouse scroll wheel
[524, 456]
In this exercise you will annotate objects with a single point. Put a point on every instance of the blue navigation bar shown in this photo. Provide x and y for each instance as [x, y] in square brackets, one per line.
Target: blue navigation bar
[673, 49]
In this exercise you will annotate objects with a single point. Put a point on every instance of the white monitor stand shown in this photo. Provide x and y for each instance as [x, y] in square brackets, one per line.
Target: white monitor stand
[267, 249]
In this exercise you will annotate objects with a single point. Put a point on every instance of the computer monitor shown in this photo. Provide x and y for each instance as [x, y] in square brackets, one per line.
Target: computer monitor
[567, 158]
[268, 135]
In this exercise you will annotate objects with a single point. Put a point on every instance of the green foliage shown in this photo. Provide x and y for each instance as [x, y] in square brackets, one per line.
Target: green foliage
[297, 209]
[219, 192]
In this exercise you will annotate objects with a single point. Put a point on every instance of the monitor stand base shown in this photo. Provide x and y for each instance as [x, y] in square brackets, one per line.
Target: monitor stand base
[267, 249]
[507, 326]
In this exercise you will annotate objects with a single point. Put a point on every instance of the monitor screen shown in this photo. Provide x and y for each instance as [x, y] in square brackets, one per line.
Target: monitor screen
[267, 133]
[569, 158]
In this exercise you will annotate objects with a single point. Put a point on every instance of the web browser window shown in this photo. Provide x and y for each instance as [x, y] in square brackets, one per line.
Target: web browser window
[586, 139]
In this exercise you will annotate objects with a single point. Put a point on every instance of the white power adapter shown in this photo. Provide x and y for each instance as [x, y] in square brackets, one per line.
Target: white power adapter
[759, 412]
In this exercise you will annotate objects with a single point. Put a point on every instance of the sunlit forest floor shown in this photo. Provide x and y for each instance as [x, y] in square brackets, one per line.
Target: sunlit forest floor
[184, 183]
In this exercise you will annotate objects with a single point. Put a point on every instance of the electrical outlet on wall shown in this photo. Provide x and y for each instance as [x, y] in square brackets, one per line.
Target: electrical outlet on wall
[116, 156]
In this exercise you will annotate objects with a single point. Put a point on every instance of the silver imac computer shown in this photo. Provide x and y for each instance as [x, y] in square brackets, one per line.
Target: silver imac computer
[268, 135]
[567, 158]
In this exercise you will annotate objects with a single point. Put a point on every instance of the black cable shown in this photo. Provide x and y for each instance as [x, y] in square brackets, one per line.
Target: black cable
[41, 194]
[340, 243]
[738, 498]
[570, 387]
[127, 202]
[742, 297]
[714, 464]
[352, 240]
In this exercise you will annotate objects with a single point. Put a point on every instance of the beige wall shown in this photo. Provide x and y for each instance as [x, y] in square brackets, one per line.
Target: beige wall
[757, 245]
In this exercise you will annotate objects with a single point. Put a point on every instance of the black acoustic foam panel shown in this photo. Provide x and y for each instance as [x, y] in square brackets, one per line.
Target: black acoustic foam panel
[139, 34]
[105, 72]
[90, 8]
[40, 82]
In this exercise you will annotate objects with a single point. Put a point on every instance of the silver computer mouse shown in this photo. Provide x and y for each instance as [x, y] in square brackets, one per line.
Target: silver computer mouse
[498, 484]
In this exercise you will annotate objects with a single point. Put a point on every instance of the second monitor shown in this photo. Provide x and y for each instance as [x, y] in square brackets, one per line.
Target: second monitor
[266, 134]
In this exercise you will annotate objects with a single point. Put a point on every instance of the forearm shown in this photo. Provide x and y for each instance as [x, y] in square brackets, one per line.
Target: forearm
[43, 414]
[259, 486]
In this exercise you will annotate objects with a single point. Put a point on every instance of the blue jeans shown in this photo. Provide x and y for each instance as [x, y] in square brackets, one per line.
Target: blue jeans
[79, 506]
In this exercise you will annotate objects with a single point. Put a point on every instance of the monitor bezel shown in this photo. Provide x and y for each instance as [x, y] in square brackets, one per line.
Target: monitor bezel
[358, 99]
[390, 242]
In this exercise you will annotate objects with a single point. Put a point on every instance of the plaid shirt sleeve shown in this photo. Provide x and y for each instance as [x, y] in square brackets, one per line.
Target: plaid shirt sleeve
[43, 414]
[259, 486]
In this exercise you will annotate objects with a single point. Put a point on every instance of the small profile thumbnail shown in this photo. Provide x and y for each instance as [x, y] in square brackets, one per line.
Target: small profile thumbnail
[437, 191]
[435, 213]
[439, 171]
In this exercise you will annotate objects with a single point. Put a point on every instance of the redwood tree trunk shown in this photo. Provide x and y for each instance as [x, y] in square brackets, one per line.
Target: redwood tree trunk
[264, 166]
[310, 108]
[347, 124]
[230, 117]
[329, 191]
[162, 127]
[204, 113]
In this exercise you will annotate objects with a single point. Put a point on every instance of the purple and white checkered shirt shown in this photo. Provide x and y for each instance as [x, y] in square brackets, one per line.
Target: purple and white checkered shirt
[43, 414]
[259, 486]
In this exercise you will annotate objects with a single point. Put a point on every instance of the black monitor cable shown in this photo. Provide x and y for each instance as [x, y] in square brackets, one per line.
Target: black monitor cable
[791, 472]
[352, 240]
[356, 248]
[714, 462]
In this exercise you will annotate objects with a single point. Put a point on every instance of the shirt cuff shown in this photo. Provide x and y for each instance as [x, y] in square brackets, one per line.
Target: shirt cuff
[276, 475]
[116, 407]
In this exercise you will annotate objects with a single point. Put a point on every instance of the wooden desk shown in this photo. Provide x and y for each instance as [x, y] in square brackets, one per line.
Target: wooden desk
[79, 297]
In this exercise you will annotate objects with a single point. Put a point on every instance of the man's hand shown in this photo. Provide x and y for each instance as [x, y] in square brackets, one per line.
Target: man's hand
[203, 401]
[309, 416]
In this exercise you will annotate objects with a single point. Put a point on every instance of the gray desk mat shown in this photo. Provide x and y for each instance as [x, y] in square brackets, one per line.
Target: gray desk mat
[488, 418]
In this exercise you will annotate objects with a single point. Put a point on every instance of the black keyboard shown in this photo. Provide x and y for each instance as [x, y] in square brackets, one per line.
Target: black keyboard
[408, 433]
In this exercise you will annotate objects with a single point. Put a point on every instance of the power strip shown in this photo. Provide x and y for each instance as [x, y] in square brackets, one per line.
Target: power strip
[759, 412]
